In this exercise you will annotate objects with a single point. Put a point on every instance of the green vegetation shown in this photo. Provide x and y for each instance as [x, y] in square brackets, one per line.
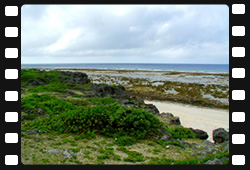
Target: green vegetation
[125, 141]
[55, 87]
[58, 115]
[108, 119]
[133, 156]
[180, 132]
[164, 144]
[34, 74]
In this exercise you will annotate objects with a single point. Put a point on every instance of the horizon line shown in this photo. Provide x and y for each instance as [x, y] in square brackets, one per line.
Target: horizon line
[133, 63]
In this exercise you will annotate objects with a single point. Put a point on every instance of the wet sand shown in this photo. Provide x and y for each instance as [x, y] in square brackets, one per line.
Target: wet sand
[196, 117]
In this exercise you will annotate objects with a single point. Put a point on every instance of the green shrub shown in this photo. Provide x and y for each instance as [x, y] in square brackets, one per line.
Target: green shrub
[180, 132]
[49, 104]
[104, 116]
[53, 87]
[44, 76]
[107, 118]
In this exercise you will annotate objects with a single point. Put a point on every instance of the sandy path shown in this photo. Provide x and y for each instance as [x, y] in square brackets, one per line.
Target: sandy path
[196, 117]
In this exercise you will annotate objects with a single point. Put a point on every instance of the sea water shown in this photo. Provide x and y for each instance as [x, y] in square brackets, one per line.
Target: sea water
[209, 68]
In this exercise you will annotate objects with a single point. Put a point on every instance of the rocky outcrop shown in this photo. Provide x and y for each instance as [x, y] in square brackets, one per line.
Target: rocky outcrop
[152, 109]
[168, 115]
[175, 121]
[74, 77]
[104, 90]
[170, 119]
[35, 82]
[200, 134]
[220, 135]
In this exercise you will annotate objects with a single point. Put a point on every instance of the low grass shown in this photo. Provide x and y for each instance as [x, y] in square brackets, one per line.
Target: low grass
[133, 156]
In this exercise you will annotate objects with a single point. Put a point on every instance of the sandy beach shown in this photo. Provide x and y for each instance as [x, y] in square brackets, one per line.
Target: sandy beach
[196, 117]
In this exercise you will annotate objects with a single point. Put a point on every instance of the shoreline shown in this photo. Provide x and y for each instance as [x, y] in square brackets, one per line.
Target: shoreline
[141, 70]
[171, 72]
[206, 119]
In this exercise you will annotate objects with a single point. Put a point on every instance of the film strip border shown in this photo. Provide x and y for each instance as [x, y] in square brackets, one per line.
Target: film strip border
[12, 95]
[11, 61]
[238, 83]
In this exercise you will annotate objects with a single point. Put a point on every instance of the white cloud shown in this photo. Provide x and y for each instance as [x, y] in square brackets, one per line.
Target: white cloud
[130, 33]
[64, 42]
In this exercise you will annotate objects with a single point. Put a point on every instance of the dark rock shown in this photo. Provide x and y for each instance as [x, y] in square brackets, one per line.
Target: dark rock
[74, 77]
[220, 135]
[175, 121]
[168, 115]
[151, 108]
[200, 134]
[103, 90]
[36, 82]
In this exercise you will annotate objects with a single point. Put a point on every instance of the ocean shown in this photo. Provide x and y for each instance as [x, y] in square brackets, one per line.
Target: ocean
[207, 68]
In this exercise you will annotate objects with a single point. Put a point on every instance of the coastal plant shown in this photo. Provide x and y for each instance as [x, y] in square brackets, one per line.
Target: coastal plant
[180, 132]
[35, 74]
[107, 118]
[53, 87]
[46, 104]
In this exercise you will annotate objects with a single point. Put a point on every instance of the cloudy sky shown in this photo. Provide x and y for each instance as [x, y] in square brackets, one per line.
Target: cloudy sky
[125, 34]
